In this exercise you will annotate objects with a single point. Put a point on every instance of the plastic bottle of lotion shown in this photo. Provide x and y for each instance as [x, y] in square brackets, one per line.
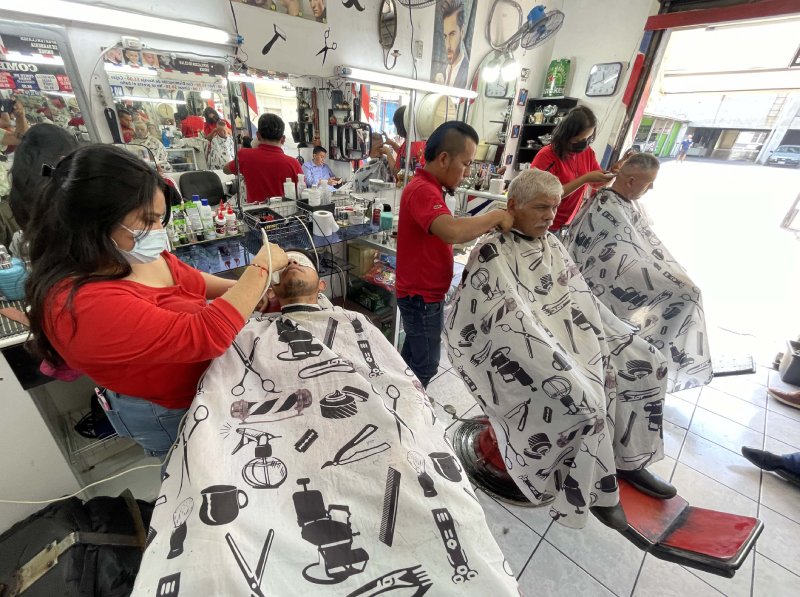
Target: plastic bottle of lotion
[231, 225]
[219, 222]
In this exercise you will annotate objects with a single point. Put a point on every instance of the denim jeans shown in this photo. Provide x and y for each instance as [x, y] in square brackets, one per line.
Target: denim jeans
[791, 462]
[153, 427]
[423, 323]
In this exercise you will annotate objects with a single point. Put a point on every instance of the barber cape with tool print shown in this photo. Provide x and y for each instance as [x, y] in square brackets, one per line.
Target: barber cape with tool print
[572, 394]
[312, 463]
[632, 273]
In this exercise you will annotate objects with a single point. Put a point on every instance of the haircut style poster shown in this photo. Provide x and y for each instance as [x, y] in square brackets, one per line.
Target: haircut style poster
[452, 42]
[314, 10]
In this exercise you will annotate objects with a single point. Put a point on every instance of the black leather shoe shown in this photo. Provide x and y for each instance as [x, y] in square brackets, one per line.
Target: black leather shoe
[649, 483]
[611, 516]
[763, 459]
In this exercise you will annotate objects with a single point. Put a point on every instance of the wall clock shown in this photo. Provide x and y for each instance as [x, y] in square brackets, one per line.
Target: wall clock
[604, 79]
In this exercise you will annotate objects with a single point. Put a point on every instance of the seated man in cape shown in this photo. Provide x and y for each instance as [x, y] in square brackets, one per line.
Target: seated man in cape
[634, 275]
[311, 463]
[573, 395]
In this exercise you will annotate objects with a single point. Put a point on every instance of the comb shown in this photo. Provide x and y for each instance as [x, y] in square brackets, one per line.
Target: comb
[390, 497]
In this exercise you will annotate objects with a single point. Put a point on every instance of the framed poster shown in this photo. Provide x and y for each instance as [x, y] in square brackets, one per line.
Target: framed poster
[523, 97]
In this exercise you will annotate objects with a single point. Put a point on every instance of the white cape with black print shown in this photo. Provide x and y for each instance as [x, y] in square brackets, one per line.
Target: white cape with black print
[634, 275]
[311, 463]
[571, 393]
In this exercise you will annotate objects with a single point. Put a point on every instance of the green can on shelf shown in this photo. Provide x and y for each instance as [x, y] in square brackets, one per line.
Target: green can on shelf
[555, 84]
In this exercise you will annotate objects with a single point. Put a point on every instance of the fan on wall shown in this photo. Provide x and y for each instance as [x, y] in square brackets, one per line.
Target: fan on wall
[539, 26]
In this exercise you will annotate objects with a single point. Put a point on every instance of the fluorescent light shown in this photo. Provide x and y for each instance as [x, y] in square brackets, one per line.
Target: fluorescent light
[205, 94]
[368, 76]
[33, 59]
[61, 93]
[127, 68]
[119, 19]
[510, 69]
[152, 100]
[249, 78]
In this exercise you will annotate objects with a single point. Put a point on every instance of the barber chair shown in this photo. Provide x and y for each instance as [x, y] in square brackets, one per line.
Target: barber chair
[671, 530]
[331, 532]
[206, 184]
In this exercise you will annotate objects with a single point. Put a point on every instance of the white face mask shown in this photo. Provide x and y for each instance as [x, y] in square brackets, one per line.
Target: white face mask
[298, 258]
[147, 245]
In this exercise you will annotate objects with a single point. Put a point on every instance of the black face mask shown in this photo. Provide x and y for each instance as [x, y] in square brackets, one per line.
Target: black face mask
[579, 146]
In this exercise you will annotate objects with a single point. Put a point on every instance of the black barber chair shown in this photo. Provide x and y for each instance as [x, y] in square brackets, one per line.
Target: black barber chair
[333, 538]
[671, 530]
[206, 184]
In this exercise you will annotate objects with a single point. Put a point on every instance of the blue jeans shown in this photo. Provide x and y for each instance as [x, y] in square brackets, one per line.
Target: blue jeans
[791, 462]
[153, 427]
[423, 323]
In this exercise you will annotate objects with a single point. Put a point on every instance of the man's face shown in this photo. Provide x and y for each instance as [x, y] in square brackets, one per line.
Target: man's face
[141, 130]
[637, 182]
[125, 121]
[317, 7]
[292, 7]
[534, 216]
[452, 37]
[456, 168]
[318, 158]
[299, 279]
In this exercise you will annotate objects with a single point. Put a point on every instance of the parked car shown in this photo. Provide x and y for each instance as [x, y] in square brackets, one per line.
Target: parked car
[785, 155]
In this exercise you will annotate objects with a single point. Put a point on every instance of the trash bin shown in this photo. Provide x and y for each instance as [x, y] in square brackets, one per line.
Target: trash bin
[789, 368]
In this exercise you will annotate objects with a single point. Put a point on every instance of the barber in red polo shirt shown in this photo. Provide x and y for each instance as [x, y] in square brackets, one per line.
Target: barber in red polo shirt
[570, 158]
[266, 167]
[426, 232]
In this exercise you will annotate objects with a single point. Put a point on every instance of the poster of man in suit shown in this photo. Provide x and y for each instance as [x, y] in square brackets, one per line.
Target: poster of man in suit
[452, 41]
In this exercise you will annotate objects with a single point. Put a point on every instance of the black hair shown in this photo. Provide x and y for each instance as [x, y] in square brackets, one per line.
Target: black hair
[319, 149]
[577, 120]
[450, 138]
[451, 7]
[397, 119]
[89, 193]
[209, 111]
[271, 127]
[123, 111]
[42, 144]
[247, 141]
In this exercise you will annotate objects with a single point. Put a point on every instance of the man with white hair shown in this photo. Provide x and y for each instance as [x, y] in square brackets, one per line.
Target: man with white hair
[143, 137]
[572, 394]
[632, 273]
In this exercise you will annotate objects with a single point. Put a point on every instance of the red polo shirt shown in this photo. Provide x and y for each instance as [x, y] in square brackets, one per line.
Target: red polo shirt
[424, 261]
[265, 169]
[192, 126]
[567, 170]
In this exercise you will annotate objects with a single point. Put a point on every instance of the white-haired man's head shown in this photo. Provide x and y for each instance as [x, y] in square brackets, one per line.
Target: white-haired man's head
[533, 200]
[636, 176]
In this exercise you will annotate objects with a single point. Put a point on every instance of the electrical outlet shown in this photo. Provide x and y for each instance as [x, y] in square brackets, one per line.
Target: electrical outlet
[131, 43]
[418, 46]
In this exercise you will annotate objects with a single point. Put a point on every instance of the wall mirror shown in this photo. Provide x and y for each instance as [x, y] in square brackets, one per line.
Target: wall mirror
[177, 107]
[38, 76]
[352, 141]
[490, 112]
[387, 24]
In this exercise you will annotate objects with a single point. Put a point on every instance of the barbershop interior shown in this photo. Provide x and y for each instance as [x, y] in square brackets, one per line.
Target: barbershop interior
[538, 257]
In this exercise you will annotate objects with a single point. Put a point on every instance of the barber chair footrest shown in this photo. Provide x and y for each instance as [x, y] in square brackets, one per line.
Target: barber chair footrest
[672, 530]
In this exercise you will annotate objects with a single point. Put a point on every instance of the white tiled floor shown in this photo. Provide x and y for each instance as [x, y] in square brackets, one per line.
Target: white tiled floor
[704, 429]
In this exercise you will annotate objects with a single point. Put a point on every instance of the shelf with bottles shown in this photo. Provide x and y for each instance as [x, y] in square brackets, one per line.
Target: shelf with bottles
[542, 115]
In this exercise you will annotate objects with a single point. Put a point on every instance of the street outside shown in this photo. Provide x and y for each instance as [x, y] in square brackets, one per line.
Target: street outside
[721, 221]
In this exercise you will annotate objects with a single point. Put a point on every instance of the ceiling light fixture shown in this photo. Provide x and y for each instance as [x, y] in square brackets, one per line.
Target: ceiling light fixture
[120, 19]
[368, 76]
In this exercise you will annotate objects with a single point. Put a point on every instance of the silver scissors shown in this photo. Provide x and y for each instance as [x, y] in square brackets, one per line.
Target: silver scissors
[247, 361]
[627, 230]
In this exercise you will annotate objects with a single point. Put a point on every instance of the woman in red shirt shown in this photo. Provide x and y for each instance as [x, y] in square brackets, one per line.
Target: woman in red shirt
[570, 158]
[108, 299]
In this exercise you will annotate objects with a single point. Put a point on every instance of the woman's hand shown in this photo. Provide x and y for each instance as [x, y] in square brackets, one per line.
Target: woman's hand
[279, 258]
[598, 177]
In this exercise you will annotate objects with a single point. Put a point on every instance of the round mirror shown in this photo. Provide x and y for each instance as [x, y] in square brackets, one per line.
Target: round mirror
[387, 24]
[489, 115]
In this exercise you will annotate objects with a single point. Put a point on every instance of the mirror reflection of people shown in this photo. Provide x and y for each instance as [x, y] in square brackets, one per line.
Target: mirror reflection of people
[417, 147]
[317, 170]
[455, 73]
[13, 125]
[193, 125]
[534, 362]
[318, 10]
[379, 148]
[266, 167]
[126, 124]
[292, 7]
[569, 157]
[116, 266]
[211, 127]
[220, 146]
[427, 227]
[143, 137]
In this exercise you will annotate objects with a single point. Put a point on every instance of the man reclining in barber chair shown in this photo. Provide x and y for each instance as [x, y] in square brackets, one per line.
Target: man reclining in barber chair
[312, 457]
[632, 273]
[573, 396]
